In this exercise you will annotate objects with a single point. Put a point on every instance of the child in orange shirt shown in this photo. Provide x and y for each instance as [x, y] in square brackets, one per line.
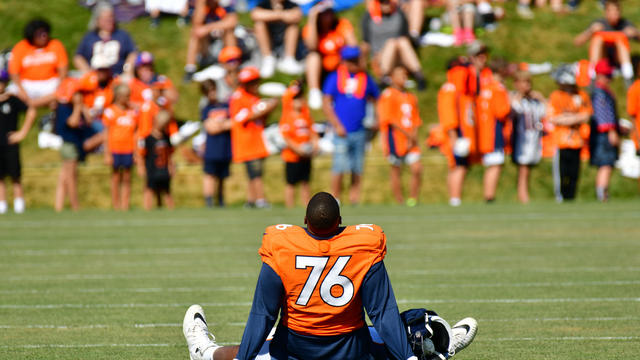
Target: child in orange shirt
[399, 124]
[121, 122]
[296, 126]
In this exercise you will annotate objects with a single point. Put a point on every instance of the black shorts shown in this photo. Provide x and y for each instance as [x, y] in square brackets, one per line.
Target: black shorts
[298, 171]
[254, 168]
[10, 162]
[217, 168]
[159, 184]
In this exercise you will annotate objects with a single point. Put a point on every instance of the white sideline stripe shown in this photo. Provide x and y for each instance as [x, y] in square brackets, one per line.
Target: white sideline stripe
[73, 346]
[381, 219]
[400, 301]
[563, 338]
[73, 277]
[178, 325]
[242, 289]
[577, 319]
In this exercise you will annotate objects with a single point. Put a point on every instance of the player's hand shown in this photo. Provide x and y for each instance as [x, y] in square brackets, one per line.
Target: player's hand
[614, 139]
[15, 137]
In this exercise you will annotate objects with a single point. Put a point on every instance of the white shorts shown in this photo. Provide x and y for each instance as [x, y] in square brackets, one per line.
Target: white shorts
[493, 158]
[36, 89]
[411, 158]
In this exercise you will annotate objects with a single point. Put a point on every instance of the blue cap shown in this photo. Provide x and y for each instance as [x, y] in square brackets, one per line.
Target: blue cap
[350, 52]
[4, 75]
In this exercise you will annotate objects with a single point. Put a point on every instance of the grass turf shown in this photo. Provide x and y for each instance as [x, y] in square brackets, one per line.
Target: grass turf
[545, 281]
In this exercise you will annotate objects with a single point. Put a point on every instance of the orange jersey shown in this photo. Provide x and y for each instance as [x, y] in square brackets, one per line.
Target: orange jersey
[569, 137]
[457, 111]
[493, 105]
[141, 91]
[322, 278]
[246, 135]
[398, 114]
[121, 127]
[148, 112]
[32, 63]
[633, 108]
[295, 126]
[330, 44]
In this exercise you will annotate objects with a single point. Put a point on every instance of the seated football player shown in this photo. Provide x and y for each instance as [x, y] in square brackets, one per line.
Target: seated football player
[322, 317]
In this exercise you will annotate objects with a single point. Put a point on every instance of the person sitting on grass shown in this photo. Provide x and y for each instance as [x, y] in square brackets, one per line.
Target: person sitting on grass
[399, 124]
[296, 126]
[276, 24]
[121, 122]
[210, 20]
[10, 108]
[386, 36]
[609, 38]
[157, 162]
[217, 148]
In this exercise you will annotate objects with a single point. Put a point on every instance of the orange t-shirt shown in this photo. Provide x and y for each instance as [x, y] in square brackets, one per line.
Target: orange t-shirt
[322, 278]
[457, 111]
[329, 46]
[569, 137]
[633, 108]
[148, 112]
[246, 135]
[141, 91]
[32, 63]
[400, 109]
[121, 125]
[493, 105]
[295, 126]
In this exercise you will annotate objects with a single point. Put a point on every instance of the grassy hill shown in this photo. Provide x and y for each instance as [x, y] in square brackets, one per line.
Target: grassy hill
[547, 38]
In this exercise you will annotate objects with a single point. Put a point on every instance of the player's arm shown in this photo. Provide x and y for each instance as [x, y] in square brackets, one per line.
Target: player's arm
[264, 313]
[380, 303]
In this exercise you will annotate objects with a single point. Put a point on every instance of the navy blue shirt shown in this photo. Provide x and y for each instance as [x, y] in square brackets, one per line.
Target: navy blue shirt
[349, 109]
[605, 113]
[378, 300]
[117, 48]
[217, 147]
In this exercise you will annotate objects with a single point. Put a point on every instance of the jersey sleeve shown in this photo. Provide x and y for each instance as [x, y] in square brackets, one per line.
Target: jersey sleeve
[500, 103]
[15, 62]
[61, 53]
[384, 109]
[267, 251]
[632, 99]
[586, 104]
[372, 87]
[108, 117]
[447, 109]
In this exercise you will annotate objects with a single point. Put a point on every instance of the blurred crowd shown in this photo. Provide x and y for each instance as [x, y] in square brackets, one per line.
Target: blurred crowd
[116, 104]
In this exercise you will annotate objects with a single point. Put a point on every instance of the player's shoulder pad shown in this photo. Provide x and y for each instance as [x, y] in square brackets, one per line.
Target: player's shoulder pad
[368, 235]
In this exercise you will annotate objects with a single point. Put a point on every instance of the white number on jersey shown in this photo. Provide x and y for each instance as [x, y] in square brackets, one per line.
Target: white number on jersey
[333, 278]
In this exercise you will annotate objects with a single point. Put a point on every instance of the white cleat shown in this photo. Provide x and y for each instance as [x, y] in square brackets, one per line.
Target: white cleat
[463, 333]
[196, 332]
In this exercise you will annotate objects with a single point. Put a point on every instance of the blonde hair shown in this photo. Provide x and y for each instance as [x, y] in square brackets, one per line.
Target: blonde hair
[120, 90]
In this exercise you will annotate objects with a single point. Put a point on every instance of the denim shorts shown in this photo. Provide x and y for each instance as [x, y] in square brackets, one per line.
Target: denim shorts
[602, 152]
[348, 155]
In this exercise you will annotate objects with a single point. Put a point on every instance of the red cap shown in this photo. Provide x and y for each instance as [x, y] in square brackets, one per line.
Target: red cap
[604, 68]
[229, 53]
[248, 74]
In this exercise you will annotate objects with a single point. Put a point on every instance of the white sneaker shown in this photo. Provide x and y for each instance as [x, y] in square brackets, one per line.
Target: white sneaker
[290, 66]
[3, 207]
[199, 340]
[315, 99]
[463, 333]
[18, 205]
[268, 67]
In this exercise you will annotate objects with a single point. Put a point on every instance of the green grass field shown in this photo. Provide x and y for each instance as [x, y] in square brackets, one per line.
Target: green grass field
[545, 281]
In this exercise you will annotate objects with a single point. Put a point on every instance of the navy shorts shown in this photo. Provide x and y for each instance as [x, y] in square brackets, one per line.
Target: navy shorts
[296, 172]
[122, 161]
[10, 162]
[287, 345]
[602, 152]
[217, 168]
[254, 168]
